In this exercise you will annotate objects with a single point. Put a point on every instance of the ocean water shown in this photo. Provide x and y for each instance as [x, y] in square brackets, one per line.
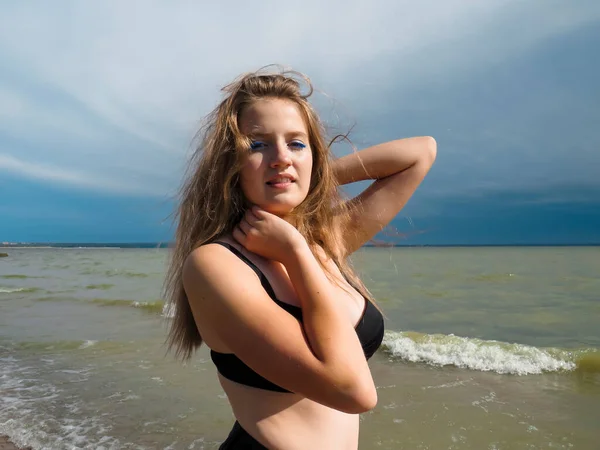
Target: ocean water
[486, 348]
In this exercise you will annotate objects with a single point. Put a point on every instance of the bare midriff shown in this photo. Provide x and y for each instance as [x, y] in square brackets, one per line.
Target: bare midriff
[289, 421]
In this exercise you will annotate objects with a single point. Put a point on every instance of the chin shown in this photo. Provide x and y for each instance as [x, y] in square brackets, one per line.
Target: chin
[278, 210]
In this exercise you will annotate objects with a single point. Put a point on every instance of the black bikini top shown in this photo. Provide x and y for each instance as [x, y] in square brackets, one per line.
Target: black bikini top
[369, 329]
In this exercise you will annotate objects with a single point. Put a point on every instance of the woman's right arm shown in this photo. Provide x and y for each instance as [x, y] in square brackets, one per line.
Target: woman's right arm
[322, 360]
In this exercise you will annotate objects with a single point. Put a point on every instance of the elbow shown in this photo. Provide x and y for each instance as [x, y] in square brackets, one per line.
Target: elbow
[365, 401]
[430, 147]
[360, 399]
[349, 392]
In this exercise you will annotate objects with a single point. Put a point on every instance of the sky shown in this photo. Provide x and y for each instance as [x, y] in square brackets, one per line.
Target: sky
[100, 101]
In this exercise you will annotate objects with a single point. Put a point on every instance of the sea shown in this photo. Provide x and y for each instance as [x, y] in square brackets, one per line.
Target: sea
[486, 348]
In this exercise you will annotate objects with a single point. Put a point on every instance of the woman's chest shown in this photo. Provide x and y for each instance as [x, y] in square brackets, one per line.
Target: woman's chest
[349, 300]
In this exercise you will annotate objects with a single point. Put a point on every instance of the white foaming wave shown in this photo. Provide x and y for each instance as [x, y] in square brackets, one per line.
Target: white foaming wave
[143, 304]
[88, 343]
[476, 354]
[9, 291]
[29, 400]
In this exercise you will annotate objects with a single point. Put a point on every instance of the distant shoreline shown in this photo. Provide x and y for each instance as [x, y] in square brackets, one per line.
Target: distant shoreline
[126, 245]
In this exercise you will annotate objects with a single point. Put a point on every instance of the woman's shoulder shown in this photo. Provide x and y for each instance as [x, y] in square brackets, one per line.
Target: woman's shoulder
[214, 246]
[223, 256]
[213, 272]
[206, 256]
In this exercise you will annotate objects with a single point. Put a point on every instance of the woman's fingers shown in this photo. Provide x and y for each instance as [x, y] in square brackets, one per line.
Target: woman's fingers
[245, 226]
[239, 235]
[258, 212]
[251, 217]
[249, 223]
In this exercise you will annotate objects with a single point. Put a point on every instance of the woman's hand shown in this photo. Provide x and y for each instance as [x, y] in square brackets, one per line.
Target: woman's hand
[267, 235]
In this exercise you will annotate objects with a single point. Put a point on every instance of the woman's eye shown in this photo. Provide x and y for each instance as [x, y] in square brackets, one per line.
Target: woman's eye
[297, 144]
[256, 145]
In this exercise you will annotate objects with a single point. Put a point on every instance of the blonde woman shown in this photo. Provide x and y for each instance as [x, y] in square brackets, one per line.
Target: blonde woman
[259, 270]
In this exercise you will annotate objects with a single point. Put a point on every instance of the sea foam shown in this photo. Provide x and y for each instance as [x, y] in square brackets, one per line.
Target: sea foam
[482, 355]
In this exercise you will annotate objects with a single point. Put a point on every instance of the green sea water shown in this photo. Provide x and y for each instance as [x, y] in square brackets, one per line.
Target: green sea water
[486, 348]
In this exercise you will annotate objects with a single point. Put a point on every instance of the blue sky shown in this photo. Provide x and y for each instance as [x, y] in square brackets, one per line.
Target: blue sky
[99, 103]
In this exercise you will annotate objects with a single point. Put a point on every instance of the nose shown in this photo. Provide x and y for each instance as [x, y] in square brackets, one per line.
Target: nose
[281, 155]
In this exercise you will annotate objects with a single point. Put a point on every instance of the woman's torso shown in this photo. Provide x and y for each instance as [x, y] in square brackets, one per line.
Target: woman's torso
[286, 420]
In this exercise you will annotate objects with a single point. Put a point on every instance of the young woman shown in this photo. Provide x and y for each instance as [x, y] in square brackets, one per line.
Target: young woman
[260, 273]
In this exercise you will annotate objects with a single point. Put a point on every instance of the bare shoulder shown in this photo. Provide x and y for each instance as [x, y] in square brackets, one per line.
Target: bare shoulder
[206, 260]
[214, 280]
[208, 272]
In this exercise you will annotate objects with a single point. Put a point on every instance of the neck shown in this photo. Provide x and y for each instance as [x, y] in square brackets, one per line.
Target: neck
[289, 218]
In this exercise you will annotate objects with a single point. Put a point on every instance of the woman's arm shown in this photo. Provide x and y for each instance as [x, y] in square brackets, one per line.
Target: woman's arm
[398, 168]
[322, 360]
[331, 336]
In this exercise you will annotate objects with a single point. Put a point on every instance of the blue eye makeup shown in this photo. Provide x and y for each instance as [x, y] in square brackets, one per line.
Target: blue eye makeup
[298, 144]
[256, 145]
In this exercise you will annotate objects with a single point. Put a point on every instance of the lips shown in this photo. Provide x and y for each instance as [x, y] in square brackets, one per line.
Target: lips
[281, 179]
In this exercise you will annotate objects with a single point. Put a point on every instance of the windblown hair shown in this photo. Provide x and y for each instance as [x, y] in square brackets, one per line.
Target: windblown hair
[212, 201]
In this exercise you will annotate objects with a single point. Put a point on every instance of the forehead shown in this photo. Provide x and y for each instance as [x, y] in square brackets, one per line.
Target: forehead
[269, 116]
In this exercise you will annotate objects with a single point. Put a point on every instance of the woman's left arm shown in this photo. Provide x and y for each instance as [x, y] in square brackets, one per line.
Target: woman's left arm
[398, 168]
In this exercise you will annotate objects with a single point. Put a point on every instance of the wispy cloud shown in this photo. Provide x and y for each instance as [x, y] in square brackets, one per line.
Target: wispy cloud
[65, 176]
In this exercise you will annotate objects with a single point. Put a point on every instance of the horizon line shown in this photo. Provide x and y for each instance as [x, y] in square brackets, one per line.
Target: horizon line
[157, 244]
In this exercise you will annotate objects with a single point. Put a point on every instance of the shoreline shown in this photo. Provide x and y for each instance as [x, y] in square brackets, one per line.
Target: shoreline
[6, 444]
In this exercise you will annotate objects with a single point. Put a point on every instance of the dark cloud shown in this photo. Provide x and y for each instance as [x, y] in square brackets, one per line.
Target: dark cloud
[503, 218]
[529, 121]
[34, 212]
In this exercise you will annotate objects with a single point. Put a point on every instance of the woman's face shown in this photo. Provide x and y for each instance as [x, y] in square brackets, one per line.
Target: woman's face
[276, 173]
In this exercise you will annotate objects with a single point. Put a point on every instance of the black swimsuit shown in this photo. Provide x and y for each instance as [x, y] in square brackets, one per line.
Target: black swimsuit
[370, 330]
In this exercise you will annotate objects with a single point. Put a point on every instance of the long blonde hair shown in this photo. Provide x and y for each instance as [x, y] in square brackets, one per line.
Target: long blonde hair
[212, 202]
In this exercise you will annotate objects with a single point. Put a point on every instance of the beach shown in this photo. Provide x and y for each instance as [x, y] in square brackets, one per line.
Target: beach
[485, 348]
[5, 444]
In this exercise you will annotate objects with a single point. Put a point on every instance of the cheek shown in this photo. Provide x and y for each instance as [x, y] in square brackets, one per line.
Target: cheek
[250, 174]
[307, 165]
[253, 163]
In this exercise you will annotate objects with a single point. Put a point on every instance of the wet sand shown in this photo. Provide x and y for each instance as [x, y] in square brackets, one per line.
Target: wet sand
[5, 444]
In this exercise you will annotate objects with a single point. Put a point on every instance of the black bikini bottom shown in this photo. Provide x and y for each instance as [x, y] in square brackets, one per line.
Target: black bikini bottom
[239, 439]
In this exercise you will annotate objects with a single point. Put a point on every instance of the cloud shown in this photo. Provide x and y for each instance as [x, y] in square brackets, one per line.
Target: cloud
[117, 88]
[505, 218]
[65, 176]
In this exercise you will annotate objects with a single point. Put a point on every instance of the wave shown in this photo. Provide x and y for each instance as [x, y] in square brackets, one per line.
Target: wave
[112, 273]
[86, 344]
[493, 277]
[58, 346]
[487, 356]
[126, 274]
[24, 290]
[36, 412]
[103, 286]
[154, 306]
